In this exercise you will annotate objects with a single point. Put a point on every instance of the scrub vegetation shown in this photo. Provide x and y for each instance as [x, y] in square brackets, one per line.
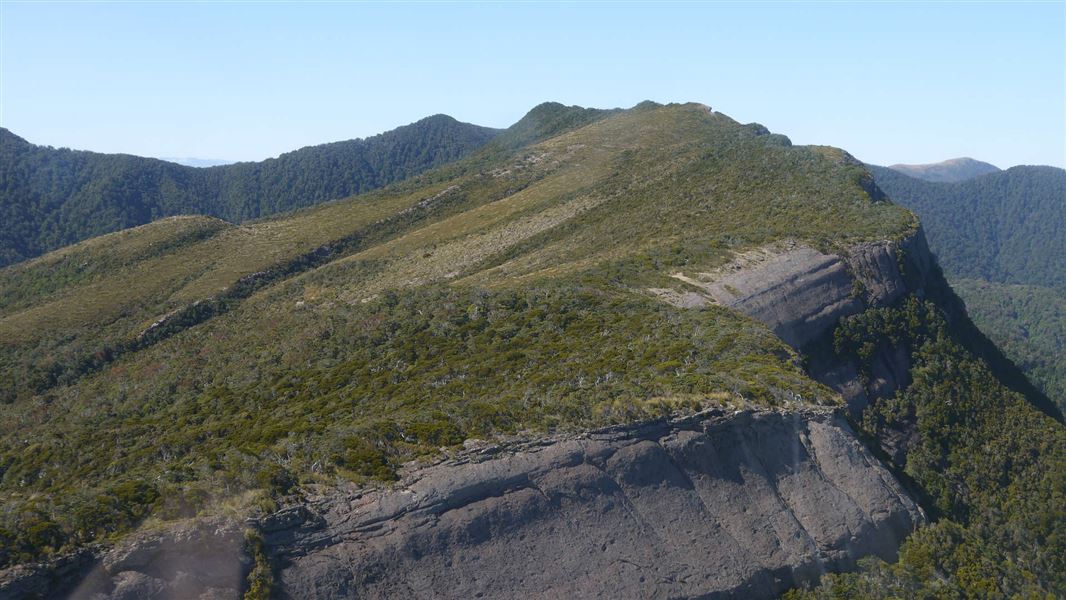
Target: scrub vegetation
[191, 365]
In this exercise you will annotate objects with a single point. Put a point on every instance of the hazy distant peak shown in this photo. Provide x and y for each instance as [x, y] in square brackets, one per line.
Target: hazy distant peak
[951, 170]
[198, 162]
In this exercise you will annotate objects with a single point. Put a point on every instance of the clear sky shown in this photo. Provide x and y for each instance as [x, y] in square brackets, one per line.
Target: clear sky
[889, 81]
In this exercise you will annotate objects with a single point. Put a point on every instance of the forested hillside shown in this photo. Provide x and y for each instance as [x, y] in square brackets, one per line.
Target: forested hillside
[1028, 322]
[999, 238]
[52, 197]
[991, 469]
[1004, 227]
[166, 368]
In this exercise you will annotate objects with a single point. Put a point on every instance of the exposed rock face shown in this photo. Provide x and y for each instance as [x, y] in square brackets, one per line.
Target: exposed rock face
[718, 505]
[201, 559]
[801, 294]
[742, 506]
[53, 579]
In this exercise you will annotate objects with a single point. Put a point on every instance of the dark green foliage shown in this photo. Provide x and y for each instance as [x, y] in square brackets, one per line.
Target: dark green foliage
[33, 525]
[999, 238]
[1028, 323]
[53, 197]
[261, 577]
[1004, 227]
[991, 466]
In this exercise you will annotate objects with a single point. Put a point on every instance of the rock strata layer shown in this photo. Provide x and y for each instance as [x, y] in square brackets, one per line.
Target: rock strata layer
[196, 559]
[738, 505]
[720, 506]
[801, 294]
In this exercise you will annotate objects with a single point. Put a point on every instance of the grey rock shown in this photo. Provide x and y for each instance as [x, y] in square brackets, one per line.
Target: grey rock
[134, 585]
[193, 555]
[196, 558]
[729, 506]
[799, 294]
[802, 294]
[51, 579]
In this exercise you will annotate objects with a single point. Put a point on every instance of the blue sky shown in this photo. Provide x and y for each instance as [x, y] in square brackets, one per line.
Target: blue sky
[889, 82]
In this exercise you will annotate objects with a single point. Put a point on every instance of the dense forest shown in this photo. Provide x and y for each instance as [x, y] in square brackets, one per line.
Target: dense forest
[990, 468]
[52, 197]
[1028, 322]
[999, 238]
[1005, 227]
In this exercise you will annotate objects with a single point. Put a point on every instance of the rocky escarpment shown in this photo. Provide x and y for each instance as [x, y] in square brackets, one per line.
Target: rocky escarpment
[802, 293]
[722, 506]
[718, 505]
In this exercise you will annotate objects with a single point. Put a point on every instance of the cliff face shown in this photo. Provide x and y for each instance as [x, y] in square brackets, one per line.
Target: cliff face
[737, 506]
[719, 505]
[198, 558]
[802, 293]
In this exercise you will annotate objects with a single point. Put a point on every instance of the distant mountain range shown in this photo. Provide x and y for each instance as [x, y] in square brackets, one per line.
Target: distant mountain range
[198, 162]
[953, 170]
[51, 197]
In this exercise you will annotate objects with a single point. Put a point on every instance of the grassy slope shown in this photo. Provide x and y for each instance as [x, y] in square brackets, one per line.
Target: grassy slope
[500, 293]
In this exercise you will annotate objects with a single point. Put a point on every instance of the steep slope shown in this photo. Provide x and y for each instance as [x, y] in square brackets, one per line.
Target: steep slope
[586, 268]
[53, 197]
[704, 504]
[990, 468]
[1028, 323]
[1003, 229]
[950, 171]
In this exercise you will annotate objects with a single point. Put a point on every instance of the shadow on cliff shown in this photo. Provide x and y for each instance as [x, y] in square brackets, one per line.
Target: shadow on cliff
[966, 332]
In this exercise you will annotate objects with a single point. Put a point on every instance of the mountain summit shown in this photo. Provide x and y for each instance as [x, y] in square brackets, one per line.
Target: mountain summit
[952, 170]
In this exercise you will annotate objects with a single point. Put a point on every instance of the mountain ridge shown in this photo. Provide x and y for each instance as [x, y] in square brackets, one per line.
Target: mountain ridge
[591, 268]
[53, 197]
